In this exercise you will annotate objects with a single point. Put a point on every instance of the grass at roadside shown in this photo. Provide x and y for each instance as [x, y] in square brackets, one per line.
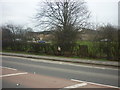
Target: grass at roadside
[74, 57]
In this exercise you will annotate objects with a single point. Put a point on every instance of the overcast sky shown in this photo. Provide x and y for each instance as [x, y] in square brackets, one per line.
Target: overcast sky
[22, 11]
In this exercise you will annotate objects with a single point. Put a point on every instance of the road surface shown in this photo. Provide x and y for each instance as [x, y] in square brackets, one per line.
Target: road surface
[75, 72]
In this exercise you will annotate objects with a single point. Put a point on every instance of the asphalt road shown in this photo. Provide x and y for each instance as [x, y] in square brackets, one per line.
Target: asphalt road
[107, 76]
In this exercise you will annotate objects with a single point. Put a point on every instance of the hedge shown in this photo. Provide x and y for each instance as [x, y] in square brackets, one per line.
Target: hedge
[103, 50]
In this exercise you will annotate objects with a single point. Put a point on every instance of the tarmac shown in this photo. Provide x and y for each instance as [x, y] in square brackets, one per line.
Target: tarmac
[21, 79]
[63, 59]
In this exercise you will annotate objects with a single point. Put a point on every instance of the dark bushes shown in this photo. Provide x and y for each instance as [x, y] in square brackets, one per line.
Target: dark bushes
[103, 50]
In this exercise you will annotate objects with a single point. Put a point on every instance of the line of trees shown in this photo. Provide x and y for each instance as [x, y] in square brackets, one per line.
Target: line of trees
[12, 33]
[107, 33]
[104, 45]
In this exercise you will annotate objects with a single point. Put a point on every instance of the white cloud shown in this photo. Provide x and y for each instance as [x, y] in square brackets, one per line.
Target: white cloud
[18, 1]
[102, 1]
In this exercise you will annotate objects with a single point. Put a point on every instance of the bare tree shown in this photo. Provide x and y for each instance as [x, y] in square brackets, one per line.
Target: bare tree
[16, 32]
[6, 34]
[65, 17]
[107, 33]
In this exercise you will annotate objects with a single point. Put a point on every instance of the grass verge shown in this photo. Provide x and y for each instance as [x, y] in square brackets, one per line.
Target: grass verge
[72, 57]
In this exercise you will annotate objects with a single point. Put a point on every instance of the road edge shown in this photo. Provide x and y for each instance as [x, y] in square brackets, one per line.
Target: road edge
[115, 64]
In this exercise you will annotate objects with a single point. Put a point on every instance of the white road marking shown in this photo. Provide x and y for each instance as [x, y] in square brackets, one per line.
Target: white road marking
[8, 68]
[91, 66]
[58, 62]
[95, 83]
[77, 85]
[13, 74]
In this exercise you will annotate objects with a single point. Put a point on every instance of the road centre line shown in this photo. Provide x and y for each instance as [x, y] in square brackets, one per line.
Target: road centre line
[76, 85]
[13, 74]
[59, 62]
[8, 68]
[94, 83]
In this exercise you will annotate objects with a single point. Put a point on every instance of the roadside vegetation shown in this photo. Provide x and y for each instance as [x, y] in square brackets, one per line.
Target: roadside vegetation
[85, 49]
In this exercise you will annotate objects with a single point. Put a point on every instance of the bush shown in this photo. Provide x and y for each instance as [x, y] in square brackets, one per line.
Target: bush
[105, 50]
